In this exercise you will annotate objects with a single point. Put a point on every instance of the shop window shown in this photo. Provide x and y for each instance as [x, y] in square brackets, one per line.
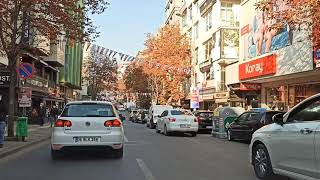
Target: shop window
[276, 98]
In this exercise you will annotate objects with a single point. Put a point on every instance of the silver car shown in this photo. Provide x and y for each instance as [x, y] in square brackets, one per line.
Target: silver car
[88, 125]
[290, 146]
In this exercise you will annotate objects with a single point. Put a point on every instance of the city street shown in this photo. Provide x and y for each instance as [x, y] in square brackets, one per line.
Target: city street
[148, 155]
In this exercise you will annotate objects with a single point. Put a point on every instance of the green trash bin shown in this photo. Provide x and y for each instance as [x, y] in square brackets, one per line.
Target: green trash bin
[22, 127]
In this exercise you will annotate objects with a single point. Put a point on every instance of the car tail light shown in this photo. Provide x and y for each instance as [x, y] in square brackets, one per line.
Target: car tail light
[63, 123]
[172, 119]
[112, 123]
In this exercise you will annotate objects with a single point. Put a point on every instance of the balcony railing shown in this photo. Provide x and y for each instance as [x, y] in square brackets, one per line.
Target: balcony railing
[38, 83]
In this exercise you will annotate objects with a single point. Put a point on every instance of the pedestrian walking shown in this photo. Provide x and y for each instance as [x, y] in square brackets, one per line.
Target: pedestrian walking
[42, 114]
[2, 126]
[54, 114]
[34, 115]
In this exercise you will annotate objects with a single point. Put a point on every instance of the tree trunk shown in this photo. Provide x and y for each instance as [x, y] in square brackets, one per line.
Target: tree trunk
[12, 94]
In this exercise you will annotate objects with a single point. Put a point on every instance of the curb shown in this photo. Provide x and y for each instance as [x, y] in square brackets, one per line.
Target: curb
[20, 148]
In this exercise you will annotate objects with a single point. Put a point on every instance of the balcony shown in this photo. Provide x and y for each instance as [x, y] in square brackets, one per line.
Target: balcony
[38, 83]
[205, 66]
[56, 57]
[206, 5]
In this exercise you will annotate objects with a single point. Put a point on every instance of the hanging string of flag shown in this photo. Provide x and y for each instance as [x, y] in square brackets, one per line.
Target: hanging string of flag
[108, 52]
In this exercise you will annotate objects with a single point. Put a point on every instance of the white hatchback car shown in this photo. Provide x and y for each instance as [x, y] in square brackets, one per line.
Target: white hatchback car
[88, 125]
[177, 120]
[291, 145]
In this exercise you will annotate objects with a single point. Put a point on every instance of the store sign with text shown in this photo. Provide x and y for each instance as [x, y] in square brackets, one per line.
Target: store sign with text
[258, 67]
[25, 97]
[194, 102]
[4, 78]
[250, 86]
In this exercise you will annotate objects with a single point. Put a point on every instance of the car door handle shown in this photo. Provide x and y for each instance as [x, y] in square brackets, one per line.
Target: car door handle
[306, 131]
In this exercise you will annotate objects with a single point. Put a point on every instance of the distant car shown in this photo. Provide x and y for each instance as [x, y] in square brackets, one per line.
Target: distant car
[247, 123]
[142, 116]
[154, 112]
[177, 120]
[204, 119]
[290, 146]
[133, 115]
[88, 125]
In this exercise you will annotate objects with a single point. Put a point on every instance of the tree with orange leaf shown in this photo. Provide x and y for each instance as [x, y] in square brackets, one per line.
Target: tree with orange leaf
[165, 52]
[24, 23]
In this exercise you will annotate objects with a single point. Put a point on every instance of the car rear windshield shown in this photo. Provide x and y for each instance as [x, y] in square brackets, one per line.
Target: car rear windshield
[88, 110]
[179, 112]
[206, 114]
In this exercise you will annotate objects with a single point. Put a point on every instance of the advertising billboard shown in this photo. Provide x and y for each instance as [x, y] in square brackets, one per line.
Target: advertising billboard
[292, 49]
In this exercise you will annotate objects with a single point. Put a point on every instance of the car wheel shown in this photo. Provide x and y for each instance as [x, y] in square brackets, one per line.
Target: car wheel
[118, 153]
[229, 135]
[55, 155]
[261, 162]
[148, 125]
[152, 126]
[157, 129]
[166, 133]
[193, 134]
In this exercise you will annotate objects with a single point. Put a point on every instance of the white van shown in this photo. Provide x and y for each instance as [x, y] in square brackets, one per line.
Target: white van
[154, 112]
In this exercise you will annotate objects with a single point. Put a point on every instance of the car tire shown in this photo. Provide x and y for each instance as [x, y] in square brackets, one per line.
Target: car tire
[56, 155]
[229, 135]
[157, 129]
[118, 153]
[165, 131]
[148, 125]
[193, 134]
[261, 163]
[152, 126]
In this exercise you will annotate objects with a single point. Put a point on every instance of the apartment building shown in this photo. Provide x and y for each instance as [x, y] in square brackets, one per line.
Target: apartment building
[213, 27]
[172, 8]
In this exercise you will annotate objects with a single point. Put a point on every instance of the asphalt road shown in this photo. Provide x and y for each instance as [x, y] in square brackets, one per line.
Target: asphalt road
[148, 156]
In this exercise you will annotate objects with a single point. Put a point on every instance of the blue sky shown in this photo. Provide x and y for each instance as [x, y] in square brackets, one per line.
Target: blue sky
[125, 23]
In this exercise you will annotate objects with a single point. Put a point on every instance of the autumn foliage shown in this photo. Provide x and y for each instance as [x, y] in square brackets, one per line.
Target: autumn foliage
[298, 14]
[165, 53]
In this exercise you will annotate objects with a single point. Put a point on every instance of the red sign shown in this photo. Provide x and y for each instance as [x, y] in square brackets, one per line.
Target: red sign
[245, 30]
[259, 67]
[249, 86]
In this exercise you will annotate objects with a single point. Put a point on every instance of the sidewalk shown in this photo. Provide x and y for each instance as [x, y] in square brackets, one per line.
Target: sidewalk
[37, 134]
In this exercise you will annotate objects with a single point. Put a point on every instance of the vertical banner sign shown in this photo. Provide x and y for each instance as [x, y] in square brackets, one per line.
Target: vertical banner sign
[25, 97]
[194, 102]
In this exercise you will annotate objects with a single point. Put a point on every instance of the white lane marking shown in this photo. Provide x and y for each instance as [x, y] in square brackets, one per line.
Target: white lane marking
[146, 171]
[126, 139]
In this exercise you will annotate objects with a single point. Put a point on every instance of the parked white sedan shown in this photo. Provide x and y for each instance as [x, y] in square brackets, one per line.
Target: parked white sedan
[88, 125]
[291, 145]
[177, 120]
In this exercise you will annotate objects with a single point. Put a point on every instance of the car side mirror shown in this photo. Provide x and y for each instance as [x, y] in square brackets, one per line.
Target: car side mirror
[278, 119]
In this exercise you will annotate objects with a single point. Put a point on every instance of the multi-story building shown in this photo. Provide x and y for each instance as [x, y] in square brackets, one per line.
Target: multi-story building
[172, 8]
[276, 68]
[213, 27]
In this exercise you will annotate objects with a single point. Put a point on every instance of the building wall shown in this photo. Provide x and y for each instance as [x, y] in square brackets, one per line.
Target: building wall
[171, 10]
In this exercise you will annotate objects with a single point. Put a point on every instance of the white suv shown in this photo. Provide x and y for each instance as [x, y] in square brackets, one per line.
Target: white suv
[88, 125]
[291, 145]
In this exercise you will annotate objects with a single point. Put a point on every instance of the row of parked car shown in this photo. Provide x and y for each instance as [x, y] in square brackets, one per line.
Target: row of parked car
[284, 143]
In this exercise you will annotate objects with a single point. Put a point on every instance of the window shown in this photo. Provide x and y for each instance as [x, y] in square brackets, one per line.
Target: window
[180, 112]
[196, 30]
[88, 110]
[164, 114]
[197, 6]
[208, 18]
[195, 78]
[308, 111]
[228, 14]
[184, 20]
[196, 56]
[254, 116]
[269, 115]
[208, 48]
[243, 117]
[190, 12]
[190, 34]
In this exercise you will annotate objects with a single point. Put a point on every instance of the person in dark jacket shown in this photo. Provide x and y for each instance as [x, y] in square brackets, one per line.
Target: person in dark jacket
[42, 114]
[54, 114]
[3, 114]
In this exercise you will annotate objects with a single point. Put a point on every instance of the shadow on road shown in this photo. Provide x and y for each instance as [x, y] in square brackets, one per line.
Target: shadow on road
[87, 156]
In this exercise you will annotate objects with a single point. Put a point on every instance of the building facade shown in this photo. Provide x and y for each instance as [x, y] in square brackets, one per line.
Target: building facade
[276, 68]
[172, 12]
[213, 27]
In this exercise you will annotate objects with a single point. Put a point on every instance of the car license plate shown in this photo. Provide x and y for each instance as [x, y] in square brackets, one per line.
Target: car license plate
[184, 125]
[86, 139]
[209, 127]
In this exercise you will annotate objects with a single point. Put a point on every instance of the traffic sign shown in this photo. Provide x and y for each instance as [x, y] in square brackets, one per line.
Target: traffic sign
[25, 70]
